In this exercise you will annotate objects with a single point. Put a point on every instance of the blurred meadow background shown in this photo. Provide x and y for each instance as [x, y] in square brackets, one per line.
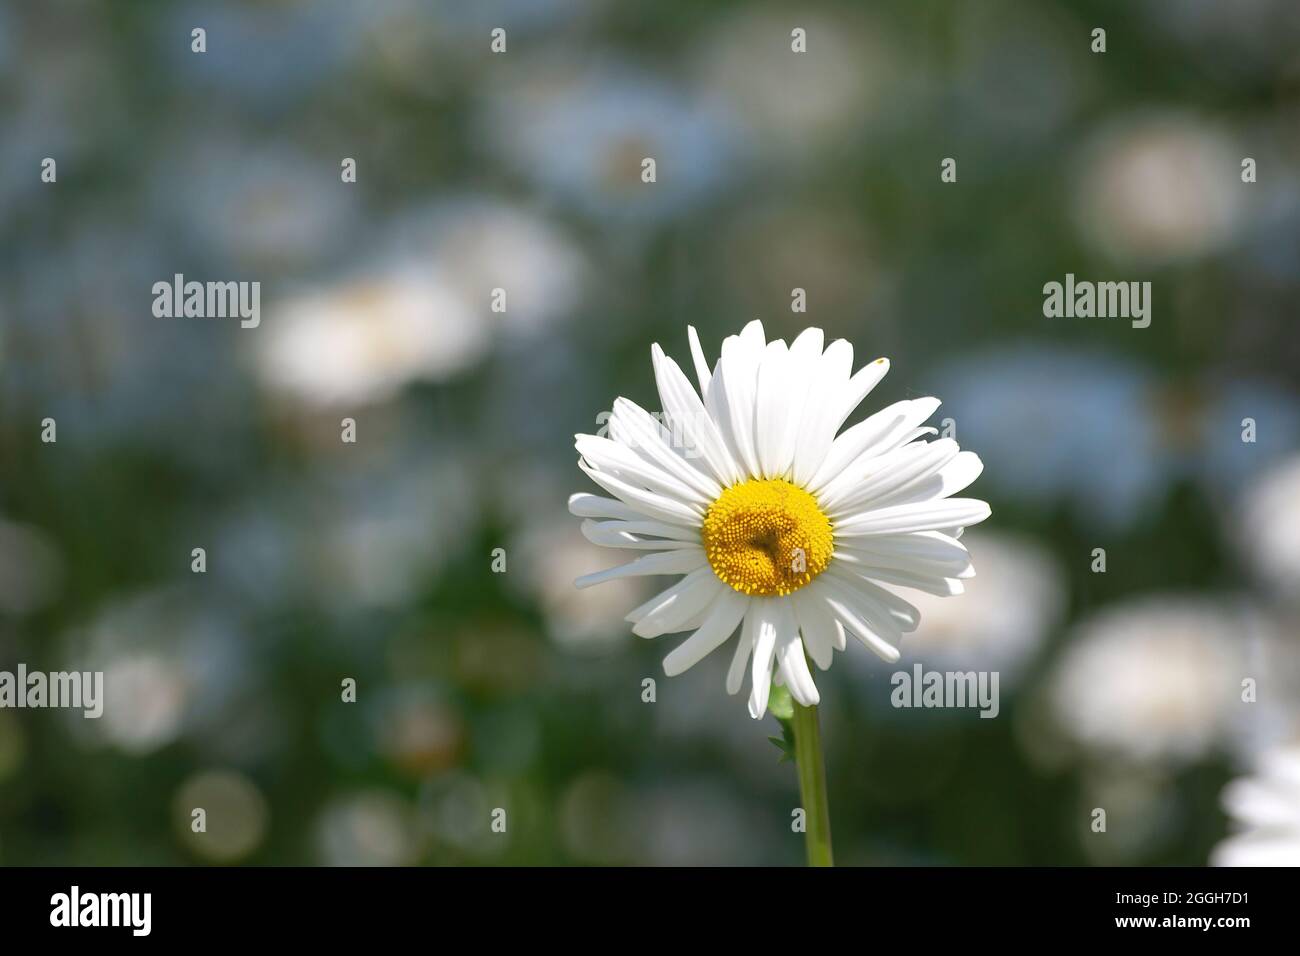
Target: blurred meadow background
[775, 171]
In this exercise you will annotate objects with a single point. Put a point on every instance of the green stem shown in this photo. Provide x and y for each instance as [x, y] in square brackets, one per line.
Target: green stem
[812, 784]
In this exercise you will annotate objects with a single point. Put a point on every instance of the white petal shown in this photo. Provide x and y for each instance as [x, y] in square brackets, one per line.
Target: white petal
[885, 476]
[771, 405]
[929, 583]
[701, 363]
[760, 674]
[671, 597]
[955, 476]
[614, 458]
[918, 516]
[859, 386]
[793, 665]
[586, 505]
[817, 626]
[719, 624]
[955, 563]
[606, 537]
[825, 397]
[872, 629]
[648, 503]
[872, 599]
[687, 417]
[656, 529]
[786, 420]
[680, 561]
[753, 336]
[929, 546]
[678, 611]
[778, 407]
[732, 396]
[634, 426]
[877, 435]
[748, 634]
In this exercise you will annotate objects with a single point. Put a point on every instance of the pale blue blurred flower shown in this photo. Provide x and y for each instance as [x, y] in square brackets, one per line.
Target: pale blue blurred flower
[1106, 434]
[1053, 424]
[246, 203]
[265, 55]
[85, 348]
[580, 136]
[1225, 461]
[510, 15]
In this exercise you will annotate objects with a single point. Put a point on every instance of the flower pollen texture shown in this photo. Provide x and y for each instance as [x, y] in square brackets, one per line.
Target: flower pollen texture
[766, 537]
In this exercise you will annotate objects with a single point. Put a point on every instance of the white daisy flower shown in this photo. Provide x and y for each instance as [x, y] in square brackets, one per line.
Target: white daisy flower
[778, 526]
[1267, 528]
[1266, 808]
[1155, 681]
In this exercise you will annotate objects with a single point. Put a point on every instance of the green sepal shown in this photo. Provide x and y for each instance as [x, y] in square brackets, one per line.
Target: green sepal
[781, 706]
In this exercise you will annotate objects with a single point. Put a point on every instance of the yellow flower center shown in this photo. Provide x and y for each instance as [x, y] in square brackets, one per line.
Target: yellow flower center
[767, 537]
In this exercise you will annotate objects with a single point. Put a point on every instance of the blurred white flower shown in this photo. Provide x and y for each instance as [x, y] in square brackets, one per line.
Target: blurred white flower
[480, 245]
[547, 555]
[425, 308]
[368, 828]
[171, 665]
[582, 133]
[1265, 808]
[1000, 621]
[796, 105]
[381, 533]
[253, 203]
[364, 338]
[1159, 187]
[145, 696]
[1268, 528]
[1154, 681]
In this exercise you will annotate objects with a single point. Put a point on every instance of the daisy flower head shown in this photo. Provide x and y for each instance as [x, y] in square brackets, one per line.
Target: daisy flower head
[1265, 811]
[781, 525]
